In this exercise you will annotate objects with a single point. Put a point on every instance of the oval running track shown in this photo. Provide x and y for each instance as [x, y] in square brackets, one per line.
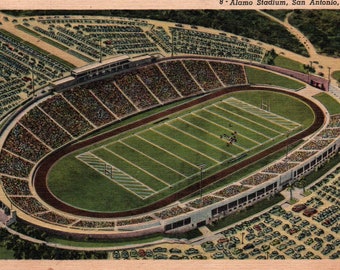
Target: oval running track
[41, 172]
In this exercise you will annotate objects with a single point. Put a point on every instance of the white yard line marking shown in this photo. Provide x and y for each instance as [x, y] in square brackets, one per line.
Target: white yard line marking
[162, 164]
[192, 149]
[218, 125]
[120, 178]
[258, 111]
[245, 118]
[235, 123]
[168, 152]
[196, 138]
[138, 167]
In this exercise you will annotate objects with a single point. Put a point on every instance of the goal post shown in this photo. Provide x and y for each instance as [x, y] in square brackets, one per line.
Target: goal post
[265, 105]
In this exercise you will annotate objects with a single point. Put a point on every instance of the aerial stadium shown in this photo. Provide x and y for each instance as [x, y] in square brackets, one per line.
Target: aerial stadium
[116, 128]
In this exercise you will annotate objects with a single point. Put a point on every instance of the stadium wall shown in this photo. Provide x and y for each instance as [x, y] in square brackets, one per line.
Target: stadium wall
[238, 202]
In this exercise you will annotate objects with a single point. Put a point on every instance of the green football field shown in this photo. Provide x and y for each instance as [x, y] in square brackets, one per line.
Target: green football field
[146, 164]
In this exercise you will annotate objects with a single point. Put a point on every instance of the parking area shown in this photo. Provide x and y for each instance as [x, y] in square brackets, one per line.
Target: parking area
[308, 229]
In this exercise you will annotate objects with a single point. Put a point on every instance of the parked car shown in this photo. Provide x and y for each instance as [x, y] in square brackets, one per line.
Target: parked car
[289, 251]
[191, 251]
[175, 250]
[265, 247]
[159, 249]
[299, 207]
[291, 242]
[199, 257]
[217, 255]
[248, 246]
[282, 247]
[175, 257]
[309, 212]
[160, 256]
[243, 256]
[254, 252]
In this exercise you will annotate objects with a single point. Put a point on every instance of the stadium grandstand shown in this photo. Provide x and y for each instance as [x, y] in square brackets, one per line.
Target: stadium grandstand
[130, 67]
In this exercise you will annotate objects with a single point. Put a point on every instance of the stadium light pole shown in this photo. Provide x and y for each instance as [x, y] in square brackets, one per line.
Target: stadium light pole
[287, 135]
[329, 77]
[286, 161]
[100, 49]
[201, 166]
[32, 74]
[172, 43]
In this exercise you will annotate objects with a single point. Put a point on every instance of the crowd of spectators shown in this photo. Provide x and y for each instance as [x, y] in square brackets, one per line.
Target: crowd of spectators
[131, 221]
[135, 90]
[231, 190]
[24, 144]
[316, 144]
[59, 110]
[157, 83]
[330, 133]
[55, 218]
[172, 212]
[203, 74]
[113, 99]
[257, 179]
[279, 167]
[94, 224]
[88, 105]
[230, 74]
[179, 77]
[44, 128]
[334, 121]
[13, 165]
[15, 186]
[28, 204]
[204, 201]
[299, 156]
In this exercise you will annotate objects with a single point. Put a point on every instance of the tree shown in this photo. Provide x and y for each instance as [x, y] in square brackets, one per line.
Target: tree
[302, 184]
[291, 188]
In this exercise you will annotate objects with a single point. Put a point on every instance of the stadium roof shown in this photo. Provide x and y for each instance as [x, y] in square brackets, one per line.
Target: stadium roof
[96, 65]
[63, 80]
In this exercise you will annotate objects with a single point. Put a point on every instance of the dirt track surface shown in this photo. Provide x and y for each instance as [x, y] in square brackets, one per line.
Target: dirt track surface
[41, 173]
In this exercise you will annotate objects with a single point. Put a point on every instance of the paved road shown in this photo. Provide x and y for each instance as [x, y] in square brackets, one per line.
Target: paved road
[323, 62]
